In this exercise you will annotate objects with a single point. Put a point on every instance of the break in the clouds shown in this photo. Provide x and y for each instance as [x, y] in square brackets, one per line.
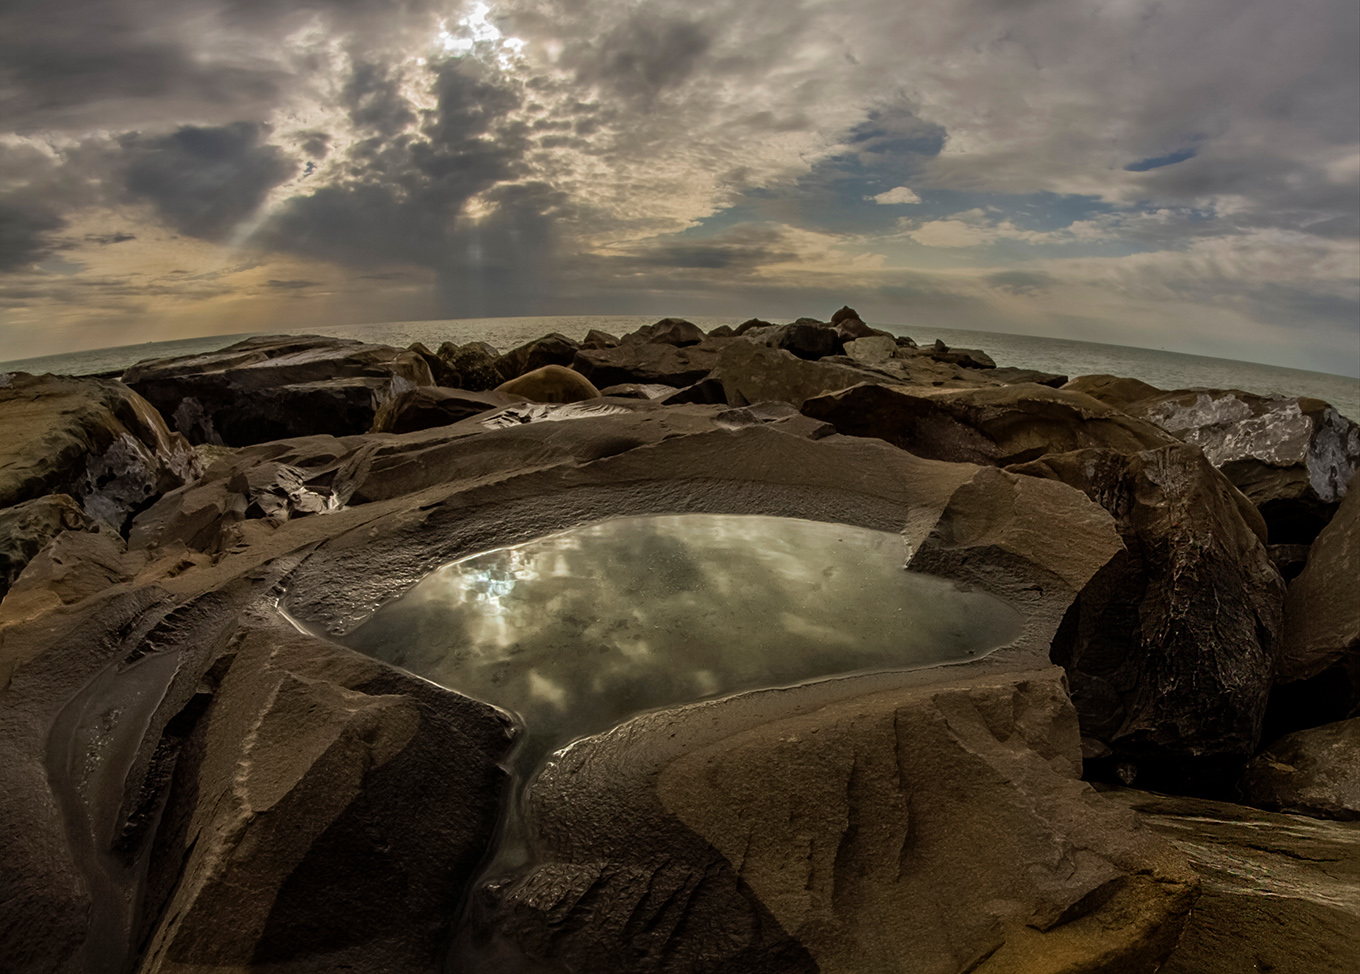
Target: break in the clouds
[1179, 176]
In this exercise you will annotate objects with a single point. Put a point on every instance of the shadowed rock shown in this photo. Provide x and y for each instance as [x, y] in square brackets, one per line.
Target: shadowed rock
[475, 364]
[648, 363]
[274, 387]
[92, 439]
[1311, 772]
[426, 407]
[26, 528]
[667, 331]
[551, 349]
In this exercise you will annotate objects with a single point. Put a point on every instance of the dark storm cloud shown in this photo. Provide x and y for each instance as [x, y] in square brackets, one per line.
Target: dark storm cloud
[1021, 282]
[104, 239]
[25, 234]
[374, 100]
[204, 181]
[290, 285]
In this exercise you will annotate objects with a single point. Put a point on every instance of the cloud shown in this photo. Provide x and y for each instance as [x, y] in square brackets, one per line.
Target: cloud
[205, 181]
[25, 234]
[900, 194]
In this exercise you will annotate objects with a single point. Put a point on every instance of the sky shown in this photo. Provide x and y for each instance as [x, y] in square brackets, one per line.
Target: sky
[1138, 172]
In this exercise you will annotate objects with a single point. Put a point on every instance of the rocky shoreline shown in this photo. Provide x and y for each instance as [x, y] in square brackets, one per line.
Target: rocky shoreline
[191, 783]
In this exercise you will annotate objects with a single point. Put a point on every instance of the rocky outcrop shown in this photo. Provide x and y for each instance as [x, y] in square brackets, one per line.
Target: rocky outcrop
[444, 374]
[325, 812]
[1292, 457]
[1170, 648]
[26, 528]
[667, 331]
[475, 364]
[1001, 425]
[275, 387]
[426, 407]
[648, 363]
[92, 439]
[753, 373]
[1311, 772]
[825, 829]
[1279, 891]
[550, 383]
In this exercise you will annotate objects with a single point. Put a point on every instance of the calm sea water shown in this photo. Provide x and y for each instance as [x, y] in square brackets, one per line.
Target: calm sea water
[1166, 370]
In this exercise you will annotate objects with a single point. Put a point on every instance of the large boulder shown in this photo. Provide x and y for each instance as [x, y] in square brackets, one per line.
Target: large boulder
[551, 349]
[804, 338]
[92, 439]
[754, 373]
[1001, 425]
[649, 363]
[475, 364]
[1311, 772]
[325, 814]
[1279, 890]
[1170, 648]
[270, 388]
[550, 383]
[1317, 670]
[1293, 457]
[26, 528]
[667, 331]
[932, 826]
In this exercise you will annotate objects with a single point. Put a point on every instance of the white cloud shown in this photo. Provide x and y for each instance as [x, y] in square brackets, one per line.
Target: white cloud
[899, 195]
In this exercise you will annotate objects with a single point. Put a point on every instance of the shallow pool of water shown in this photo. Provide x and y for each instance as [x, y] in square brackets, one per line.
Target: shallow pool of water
[577, 631]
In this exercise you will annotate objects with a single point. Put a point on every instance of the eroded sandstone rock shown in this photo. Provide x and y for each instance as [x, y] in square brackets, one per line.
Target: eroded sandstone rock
[550, 383]
[270, 388]
[26, 528]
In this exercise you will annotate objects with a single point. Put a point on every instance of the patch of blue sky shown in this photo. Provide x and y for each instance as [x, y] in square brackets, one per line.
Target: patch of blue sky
[1157, 162]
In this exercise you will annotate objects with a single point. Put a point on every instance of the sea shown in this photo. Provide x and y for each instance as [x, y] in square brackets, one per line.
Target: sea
[1165, 370]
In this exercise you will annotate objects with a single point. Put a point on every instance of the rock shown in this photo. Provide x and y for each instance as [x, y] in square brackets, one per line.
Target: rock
[1317, 671]
[936, 824]
[723, 331]
[752, 373]
[475, 364]
[750, 324]
[1001, 425]
[1310, 772]
[968, 358]
[1279, 891]
[1288, 559]
[1292, 457]
[634, 390]
[599, 339]
[649, 363]
[325, 814]
[806, 339]
[1013, 376]
[27, 528]
[550, 383]
[426, 407]
[552, 349]
[74, 566]
[850, 329]
[846, 313]
[873, 350]
[1169, 650]
[1116, 390]
[92, 439]
[667, 331]
[270, 388]
[706, 390]
[444, 374]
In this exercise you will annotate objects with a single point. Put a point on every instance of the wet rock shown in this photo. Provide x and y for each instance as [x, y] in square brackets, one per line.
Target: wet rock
[326, 814]
[92, 439]
[552, 349]
[27, 528]
[1318, 666]
[1169, 650]
[1293, 457]
[667, 331]
[426, 407]
[550, 383]
[271, 388]
[1279, 891]
[475, 364]
[648, 363]
[1001, 425]
[444, 374]
[1310, 772]
[824, 829]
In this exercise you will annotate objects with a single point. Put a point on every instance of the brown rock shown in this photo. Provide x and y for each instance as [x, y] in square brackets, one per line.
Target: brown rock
[650, 363]
[599, 339]
[26, 528]
[270, 388]
[551, 349]
[551, 383]
[1310, 772]
[475, 364]
[92, 439]
[426, 407]
[752, 373]
[444, 374]
[667, 331]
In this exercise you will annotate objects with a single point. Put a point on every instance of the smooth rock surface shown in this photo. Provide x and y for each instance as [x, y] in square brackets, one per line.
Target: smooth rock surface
[648, 363]
[92, 439]
[1311, 772]
[926, 828]
[270, 388]
[426, 407]
[1170, 649]
[550, 383]
[1281, 893]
